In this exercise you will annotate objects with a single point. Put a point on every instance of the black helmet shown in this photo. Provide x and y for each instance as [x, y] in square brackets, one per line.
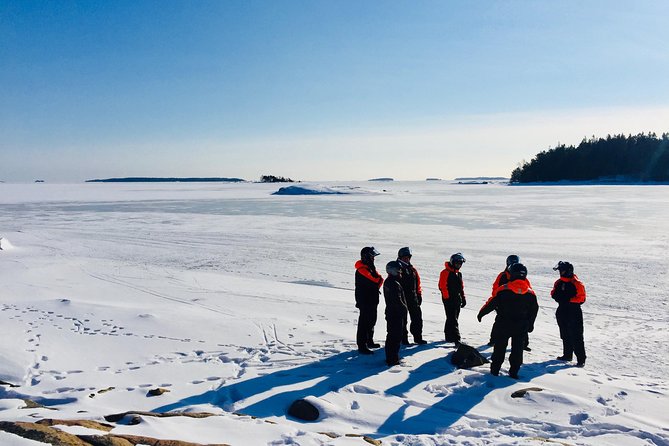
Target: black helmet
[517, 271]
[457, 258]
[404, 252]
[393, 268]
[566, 269]
[513, 258]
[368, 253]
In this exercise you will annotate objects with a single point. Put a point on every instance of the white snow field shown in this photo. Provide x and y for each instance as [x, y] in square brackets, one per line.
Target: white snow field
[239, 302]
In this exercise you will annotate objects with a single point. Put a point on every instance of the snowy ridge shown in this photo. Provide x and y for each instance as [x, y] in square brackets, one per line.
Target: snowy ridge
[314, 189]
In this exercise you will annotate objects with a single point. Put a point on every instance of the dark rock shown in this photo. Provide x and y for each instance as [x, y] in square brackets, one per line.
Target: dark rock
[30, 404]
[366, 438]
[303, 410]
[521, 393]
[89, 424]
[114, 418]
[466, 357]
[156, 392]
[44, 434]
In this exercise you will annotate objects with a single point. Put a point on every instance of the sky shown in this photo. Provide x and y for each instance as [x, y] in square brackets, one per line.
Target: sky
[320, 90]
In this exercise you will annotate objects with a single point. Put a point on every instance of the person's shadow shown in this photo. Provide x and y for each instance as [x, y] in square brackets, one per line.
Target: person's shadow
[336, 372]
[328, 375]
[458, 400]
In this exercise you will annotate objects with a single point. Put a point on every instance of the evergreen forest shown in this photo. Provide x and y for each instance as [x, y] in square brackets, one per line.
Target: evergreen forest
[639, 158]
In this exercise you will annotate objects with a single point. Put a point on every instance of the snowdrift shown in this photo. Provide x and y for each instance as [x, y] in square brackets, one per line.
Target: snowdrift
[5, 245]
[316, 190]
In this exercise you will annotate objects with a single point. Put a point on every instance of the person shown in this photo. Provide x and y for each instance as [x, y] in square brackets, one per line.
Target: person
[569, 292]
[453, 296]
[517, 307]
[501, 279]
[396, 312]
[367, 289]
[410, 280]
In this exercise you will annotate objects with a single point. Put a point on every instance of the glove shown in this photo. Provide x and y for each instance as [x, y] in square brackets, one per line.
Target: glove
[531, 329]
[419, 299]
[479, 317]
[463, 303]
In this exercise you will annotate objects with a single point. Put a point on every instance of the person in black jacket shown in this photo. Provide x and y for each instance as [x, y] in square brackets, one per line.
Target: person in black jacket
[367, 289]
[396, 312]
[413, 293]
[569, 292]
[453, 296]
[517, 307]
[501, 279]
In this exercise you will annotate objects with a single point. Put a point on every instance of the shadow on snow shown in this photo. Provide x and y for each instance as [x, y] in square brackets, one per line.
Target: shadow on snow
[338, 371]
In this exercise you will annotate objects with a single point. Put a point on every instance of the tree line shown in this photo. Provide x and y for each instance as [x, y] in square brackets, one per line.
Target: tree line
[643, 157]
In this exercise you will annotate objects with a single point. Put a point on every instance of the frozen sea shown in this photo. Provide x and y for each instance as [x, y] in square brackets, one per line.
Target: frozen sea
[237, 300]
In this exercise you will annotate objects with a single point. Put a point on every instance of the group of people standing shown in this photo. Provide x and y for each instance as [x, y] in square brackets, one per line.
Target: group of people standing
[512, 298]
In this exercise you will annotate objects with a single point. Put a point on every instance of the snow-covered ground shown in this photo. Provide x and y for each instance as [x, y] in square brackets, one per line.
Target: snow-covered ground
[239, 301]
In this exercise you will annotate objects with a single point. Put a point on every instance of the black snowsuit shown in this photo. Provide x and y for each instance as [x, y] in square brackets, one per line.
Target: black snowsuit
[569, 293]
[517, 308]
[367, 289]
[453, 296]
[502, 279]
[396, 318]
[410, 281]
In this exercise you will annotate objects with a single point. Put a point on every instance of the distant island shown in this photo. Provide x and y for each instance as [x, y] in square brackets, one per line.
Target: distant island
[381, 179]
[167, 180]
[614, 159]
[481, 179]
[275, 179]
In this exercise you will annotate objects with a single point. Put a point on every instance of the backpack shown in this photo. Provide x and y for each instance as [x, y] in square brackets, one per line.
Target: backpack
[466, 357]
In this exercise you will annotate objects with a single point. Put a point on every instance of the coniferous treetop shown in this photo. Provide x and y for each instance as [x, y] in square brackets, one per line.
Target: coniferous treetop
[640, 158]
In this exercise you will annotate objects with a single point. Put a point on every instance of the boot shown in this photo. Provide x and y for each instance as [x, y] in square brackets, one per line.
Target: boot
[420, 341]
[373, 345]
[365, 351]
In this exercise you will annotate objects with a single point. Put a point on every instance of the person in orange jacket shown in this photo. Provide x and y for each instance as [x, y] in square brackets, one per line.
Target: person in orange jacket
[569, 292]
[517, 308]
[453, 296]
[502, 278]
[367, 289]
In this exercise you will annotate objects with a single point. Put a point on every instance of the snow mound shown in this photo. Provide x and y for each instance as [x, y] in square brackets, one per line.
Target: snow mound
[5, 245]
[316, 190]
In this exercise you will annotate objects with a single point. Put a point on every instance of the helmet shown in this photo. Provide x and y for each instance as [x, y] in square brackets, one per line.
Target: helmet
[457, 258]
[368, 253]
[393, 268]
[404, 252]
[513, 258]
[566, 269]
[517, 271]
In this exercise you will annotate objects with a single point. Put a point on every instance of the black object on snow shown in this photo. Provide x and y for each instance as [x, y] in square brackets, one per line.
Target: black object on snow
[303, 410]
[466, 357]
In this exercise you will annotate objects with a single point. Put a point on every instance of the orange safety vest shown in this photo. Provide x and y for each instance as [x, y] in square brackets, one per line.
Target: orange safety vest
[367, 273]
[579, 298]
[443, 281]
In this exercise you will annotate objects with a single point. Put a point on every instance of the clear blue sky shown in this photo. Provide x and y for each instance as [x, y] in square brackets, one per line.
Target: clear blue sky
[320, 89]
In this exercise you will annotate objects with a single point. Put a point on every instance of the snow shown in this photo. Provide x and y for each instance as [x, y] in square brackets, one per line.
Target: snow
[238, 301]
[316, 189]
